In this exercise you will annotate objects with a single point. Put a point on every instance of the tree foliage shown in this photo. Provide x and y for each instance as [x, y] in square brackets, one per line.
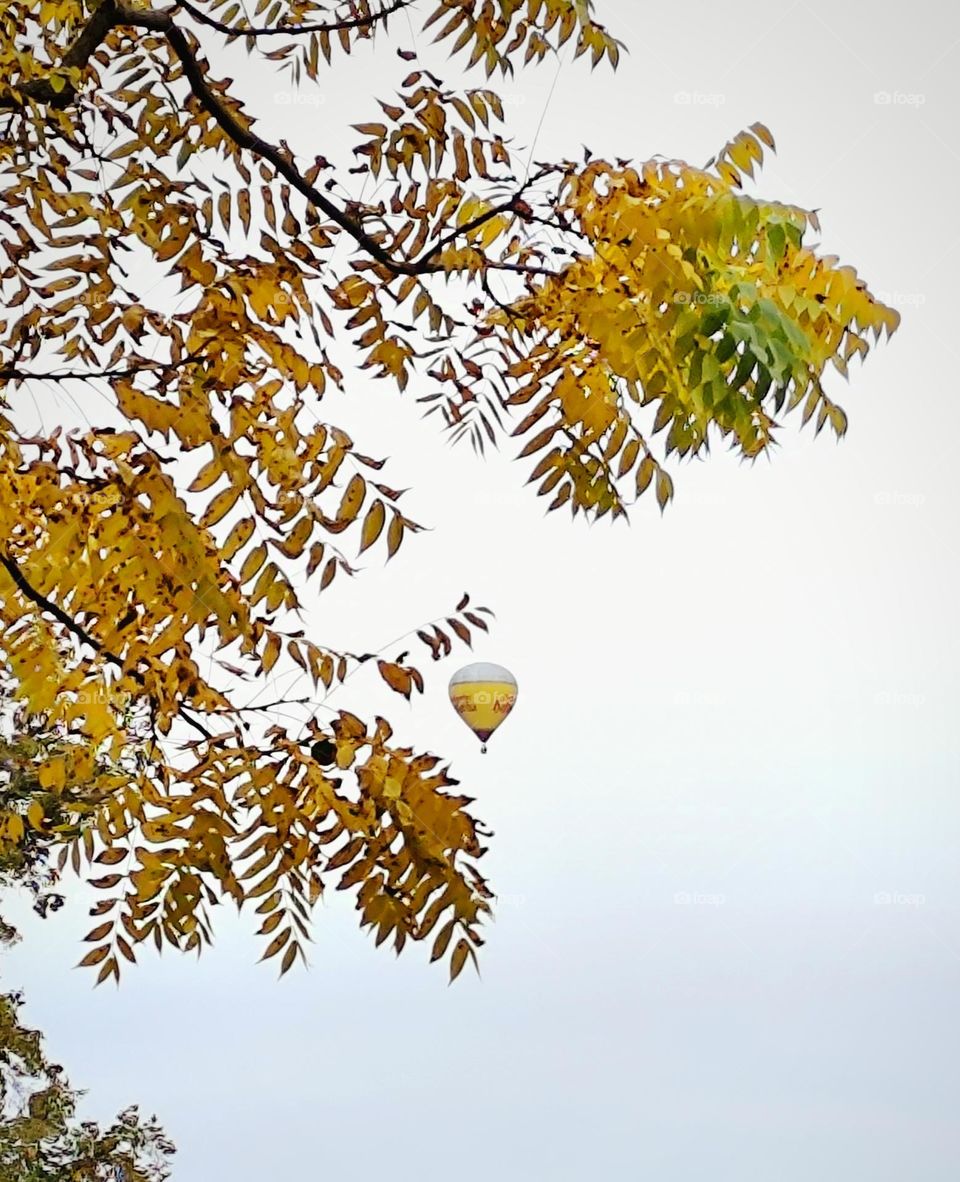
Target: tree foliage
[583, 307]
[40, 1139]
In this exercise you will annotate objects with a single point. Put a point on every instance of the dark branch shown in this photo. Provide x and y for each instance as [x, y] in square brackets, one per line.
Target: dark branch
[106, 17]
[357, 22]
[515, 204]
[243, 137]
[22, 375]
[15, 573]
[68, 622]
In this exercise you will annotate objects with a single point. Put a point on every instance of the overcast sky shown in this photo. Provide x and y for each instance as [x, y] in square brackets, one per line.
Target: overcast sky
[726, 806]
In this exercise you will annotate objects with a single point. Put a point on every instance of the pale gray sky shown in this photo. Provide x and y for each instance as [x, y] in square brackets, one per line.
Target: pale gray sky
[726, 805]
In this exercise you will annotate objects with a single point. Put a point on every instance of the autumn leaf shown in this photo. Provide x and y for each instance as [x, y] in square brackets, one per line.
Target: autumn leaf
[398, 678]
[459, 959]
[94, 956]
[373, 524]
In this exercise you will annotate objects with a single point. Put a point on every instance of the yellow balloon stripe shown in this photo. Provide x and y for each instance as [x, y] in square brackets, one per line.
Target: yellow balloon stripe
[483, 705]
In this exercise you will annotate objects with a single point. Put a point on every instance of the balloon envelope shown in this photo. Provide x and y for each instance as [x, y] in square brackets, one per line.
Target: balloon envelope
[483, 695]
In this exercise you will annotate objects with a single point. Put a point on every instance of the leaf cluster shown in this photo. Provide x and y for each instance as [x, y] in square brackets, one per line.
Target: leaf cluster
[155, 565]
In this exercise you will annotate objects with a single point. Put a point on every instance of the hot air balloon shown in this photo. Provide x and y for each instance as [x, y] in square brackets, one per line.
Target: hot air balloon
[483, 695]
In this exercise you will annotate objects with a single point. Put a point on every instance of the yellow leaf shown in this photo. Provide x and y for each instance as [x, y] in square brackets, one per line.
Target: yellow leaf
[238, 537]
[764, 133]
[109, 968]
[316, 557]
[243, 207]
[220, 506]
[208, 475]
[664, 488]
[276, 944]
[271, 652]
[288, 958]
[94, 956]
[294, 545]
[394, 535]
[398, 678]
[111, 857]
[270, 923]
[459, 959]
[328, 572]
[353, 291]
[442, 941]
[372, 525]
[352, 499]
[252, 563]
[53, 774]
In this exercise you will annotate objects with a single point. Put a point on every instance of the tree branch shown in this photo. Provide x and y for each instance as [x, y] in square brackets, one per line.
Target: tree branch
[515, 205]
[115, 13]
[523, 269]
[112, 14]
[105, 18]
[15, 573]
[20, 375]
[243, 137]
[357, 22]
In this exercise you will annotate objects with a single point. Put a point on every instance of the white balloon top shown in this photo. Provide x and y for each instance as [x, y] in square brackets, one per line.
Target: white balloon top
[483, 671]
